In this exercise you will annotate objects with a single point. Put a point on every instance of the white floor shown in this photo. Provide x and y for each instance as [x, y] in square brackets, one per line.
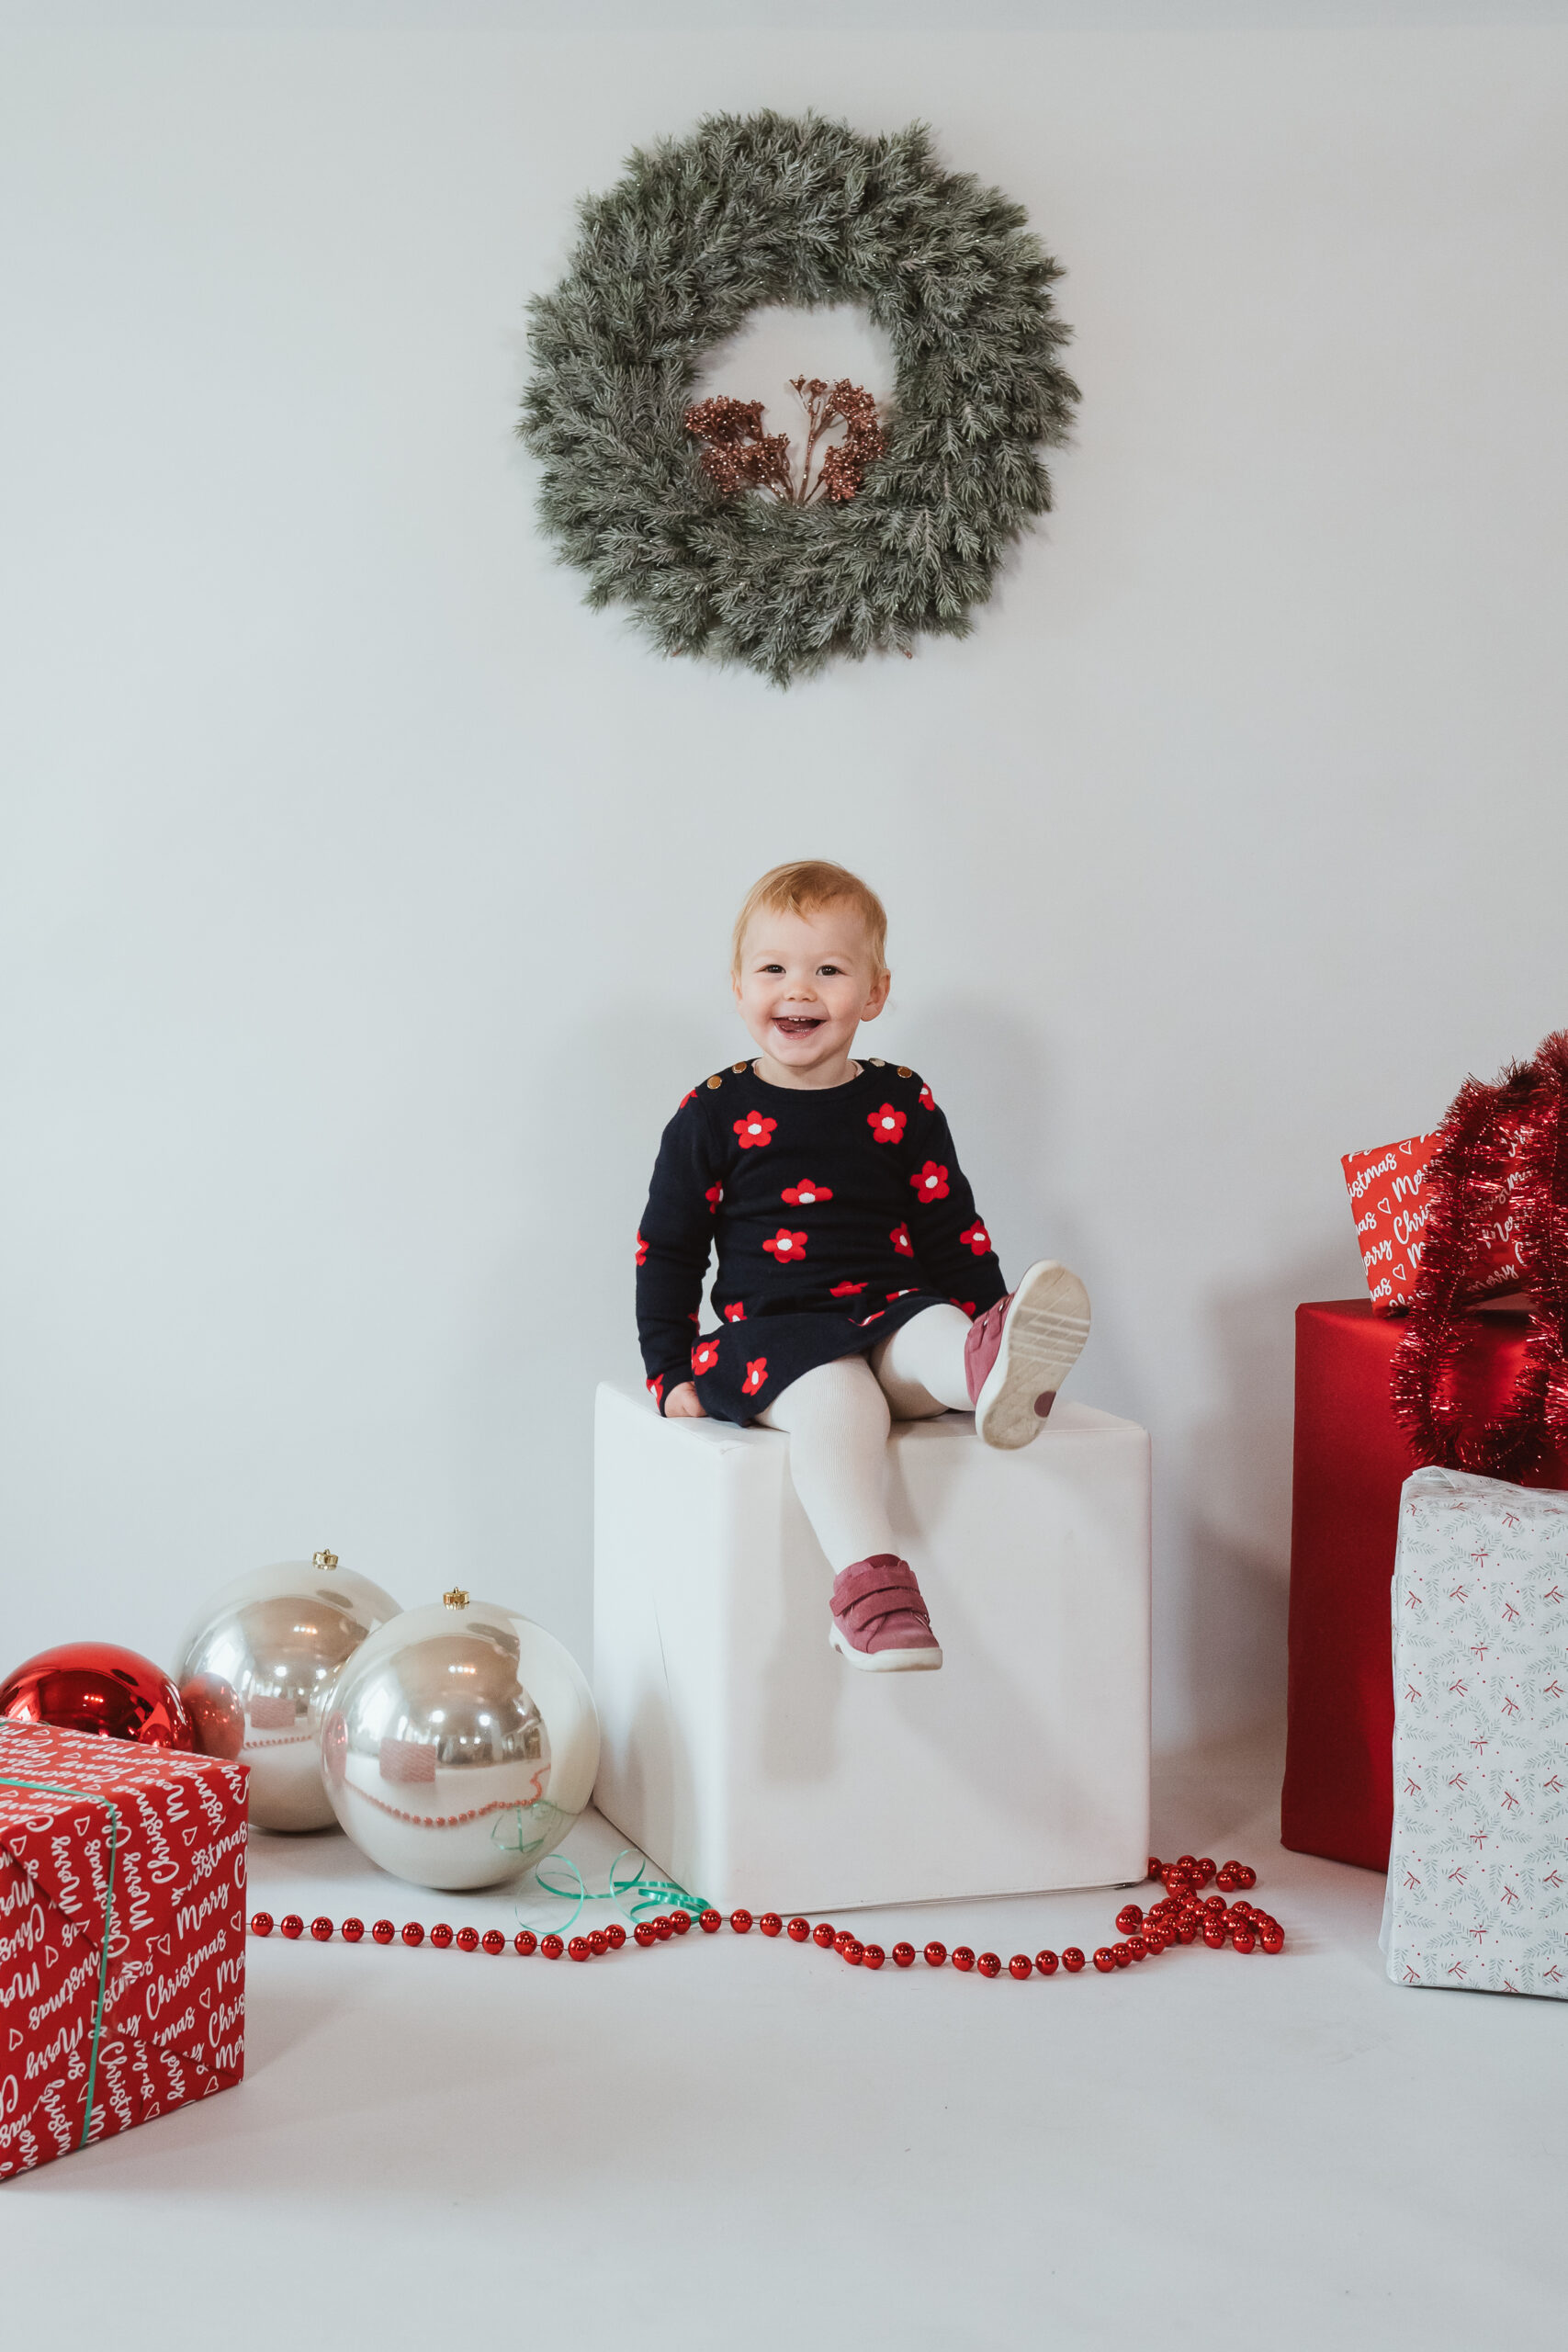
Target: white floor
[729, 2142]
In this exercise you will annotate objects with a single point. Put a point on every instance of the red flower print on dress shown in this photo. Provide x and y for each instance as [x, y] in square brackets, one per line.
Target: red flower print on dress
[899, 1238]
[705, 1355]
[908, 1292]
[805, 1194]
[965, 1306]
[655, 1387]
[642, 1248]
[785, 1247]
[930, 1182]
[754, 1131]
[978, 1239]
[736, 1314]
[887, 1124]
[713, 1196]
[845, 1290]
[928, 1100]
[756, 1374]
[865, 1319]
[685, 1098]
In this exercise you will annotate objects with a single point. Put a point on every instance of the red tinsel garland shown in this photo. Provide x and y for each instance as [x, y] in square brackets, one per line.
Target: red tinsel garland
[1501, 1148]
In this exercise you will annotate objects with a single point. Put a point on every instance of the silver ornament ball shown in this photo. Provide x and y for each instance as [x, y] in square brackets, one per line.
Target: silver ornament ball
[461, 1745]
[257, 1666]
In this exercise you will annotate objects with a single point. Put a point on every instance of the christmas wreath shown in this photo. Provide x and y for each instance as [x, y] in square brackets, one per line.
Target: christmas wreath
[717, 540]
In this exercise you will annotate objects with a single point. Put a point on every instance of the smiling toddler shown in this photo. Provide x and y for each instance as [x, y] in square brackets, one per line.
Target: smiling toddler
[856, 1281]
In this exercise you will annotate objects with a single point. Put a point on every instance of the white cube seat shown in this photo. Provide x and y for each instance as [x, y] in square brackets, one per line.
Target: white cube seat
[747, 1759]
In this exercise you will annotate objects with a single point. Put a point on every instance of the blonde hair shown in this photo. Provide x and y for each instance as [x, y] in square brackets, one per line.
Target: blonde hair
[803, 888]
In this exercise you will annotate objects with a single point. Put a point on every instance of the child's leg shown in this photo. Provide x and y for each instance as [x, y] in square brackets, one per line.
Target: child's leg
[837, 1421]
[920, 1366]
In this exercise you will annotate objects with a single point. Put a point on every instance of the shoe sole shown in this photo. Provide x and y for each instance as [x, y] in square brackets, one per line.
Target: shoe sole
[886, 1661]
[1041, 1339]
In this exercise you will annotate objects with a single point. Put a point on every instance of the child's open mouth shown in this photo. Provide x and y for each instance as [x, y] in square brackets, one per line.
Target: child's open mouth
[796, 1024]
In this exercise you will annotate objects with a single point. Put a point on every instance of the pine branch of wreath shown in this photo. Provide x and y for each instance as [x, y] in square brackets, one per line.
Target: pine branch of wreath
[668, 264]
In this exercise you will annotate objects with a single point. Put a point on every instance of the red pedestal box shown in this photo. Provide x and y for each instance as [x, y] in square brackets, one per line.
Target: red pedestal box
[122, 1937]
[1351, 1459]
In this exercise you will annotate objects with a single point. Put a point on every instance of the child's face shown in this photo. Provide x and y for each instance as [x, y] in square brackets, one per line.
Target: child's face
[806, 982]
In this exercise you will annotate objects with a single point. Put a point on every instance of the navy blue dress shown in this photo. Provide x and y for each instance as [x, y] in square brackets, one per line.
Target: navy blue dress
[838, 1212]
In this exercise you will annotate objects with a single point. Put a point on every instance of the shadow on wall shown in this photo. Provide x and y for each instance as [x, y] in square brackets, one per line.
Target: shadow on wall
[1231, 1624]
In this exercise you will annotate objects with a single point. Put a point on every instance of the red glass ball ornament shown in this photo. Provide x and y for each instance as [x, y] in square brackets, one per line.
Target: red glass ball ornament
[873, 1956]
[1186, 1861]
[261, 1923]
[292, 1924]
[383, 1931]
[96, 1687]
[771, 1924]
[550, 1947]
[1105, 1960]
[413, 1933]
[579, 1949]
[615, 1936]
[643, 1935]
[1273, 1938]
[322, 1930]
[598, 1943]
[1155, 1866]
[962, 1959]
[1122, 1955]
[741, 1922]
[352, 1931]
[441, 1935]
[1244, 1939]
[1137, 1948]
[822, 1934]
[680, 1922]
[903, 1955]
[799, 1930]
[852, 1950]
[468, 1939]
[989, 1964]
[1129, 1918]
[1021, 1966]
[1187, 1933]
[216, 1717]
[524, 1942]
[664, 1926]
[492, 1941]
[1245, 1875]
[1046, 1963]
[935, 1955]
[1073, 1960]
[1214, 1905]
[711, 1921]
[1206, 1868]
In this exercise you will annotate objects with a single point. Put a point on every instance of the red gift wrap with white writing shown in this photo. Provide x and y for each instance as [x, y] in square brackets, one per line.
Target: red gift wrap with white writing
[122, 1937]
[1391, 1201]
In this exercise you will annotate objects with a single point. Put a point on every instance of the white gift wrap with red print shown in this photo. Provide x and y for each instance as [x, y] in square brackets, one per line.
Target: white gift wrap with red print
[1478, 1874]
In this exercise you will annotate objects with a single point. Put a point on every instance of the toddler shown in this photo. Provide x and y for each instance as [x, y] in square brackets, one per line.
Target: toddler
[856, 1280]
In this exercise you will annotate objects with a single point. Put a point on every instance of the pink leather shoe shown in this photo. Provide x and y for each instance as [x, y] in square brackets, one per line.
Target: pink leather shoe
[879, 1620]
[1019, 1352]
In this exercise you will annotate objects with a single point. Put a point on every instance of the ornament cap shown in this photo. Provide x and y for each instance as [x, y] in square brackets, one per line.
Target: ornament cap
[456, 1598]
[323, 1559]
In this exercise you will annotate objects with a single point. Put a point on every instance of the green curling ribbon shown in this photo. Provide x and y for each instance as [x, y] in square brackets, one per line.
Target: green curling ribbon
[650, 1894]
[87, 1796]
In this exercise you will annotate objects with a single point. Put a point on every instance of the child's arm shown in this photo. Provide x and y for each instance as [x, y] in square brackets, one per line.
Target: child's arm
[672, 1247]
[951, 1245]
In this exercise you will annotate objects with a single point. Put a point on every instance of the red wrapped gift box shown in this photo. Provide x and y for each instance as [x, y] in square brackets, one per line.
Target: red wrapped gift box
[1351, 1459]
[122, 1937]
[1391, 1201]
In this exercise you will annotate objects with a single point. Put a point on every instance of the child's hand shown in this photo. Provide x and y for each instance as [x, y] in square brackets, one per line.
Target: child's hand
[683, 1404]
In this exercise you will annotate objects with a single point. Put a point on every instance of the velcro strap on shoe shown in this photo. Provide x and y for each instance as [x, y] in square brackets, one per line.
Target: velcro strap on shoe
[874, 1589]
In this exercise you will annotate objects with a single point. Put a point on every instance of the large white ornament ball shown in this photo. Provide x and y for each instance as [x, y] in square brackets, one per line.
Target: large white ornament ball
[257, 1666]
[461, 1744]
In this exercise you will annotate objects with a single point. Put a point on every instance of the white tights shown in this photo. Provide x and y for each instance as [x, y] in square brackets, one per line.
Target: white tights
[838, 1418]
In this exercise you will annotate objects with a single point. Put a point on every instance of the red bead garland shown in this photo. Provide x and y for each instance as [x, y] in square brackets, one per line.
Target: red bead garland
[1180, 1916]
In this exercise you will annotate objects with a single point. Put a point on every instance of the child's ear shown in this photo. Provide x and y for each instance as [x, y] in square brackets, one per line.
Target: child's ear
[877, 998]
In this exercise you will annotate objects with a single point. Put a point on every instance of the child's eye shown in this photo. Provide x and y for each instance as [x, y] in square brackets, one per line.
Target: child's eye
[831, 971]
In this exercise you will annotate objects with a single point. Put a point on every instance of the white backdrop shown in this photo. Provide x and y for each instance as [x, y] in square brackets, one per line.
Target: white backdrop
[366, 898]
